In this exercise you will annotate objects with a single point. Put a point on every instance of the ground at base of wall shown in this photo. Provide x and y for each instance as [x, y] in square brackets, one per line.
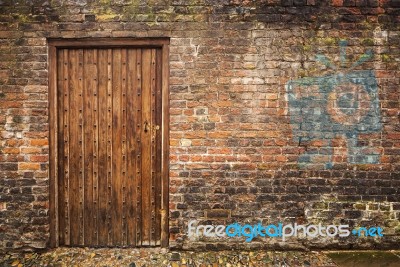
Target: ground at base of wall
[162, 257]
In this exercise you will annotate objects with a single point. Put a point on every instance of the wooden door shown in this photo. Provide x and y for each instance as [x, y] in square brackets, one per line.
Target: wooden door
[109, 150]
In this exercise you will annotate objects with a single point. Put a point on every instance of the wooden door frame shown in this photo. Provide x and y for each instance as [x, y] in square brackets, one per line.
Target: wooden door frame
[54, 44]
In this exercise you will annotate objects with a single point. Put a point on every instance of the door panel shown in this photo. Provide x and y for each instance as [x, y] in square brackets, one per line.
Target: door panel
[109, 146]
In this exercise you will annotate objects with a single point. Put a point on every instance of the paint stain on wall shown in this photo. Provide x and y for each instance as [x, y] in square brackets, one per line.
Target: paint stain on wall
[344, 105]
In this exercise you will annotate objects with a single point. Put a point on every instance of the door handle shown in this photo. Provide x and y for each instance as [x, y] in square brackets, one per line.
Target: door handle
[146, 127]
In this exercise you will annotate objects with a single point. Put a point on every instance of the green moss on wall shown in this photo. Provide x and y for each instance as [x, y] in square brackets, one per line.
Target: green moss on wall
[367, 42]
[386, 58]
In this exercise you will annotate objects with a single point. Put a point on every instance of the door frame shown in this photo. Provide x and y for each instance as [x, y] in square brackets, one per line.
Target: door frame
[54, 44]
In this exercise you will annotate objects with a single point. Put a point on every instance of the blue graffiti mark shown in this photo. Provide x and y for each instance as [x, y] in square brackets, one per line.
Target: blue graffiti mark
[345, 104]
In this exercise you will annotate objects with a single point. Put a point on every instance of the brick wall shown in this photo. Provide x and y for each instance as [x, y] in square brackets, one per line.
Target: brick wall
[238, 152]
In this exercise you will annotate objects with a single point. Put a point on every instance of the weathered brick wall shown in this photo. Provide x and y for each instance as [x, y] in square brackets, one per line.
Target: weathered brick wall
[236, 150]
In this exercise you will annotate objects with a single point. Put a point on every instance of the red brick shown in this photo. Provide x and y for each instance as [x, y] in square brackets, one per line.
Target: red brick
[28, 166]
[39, 142]
[218, 135]
[196, 158]
[31, 150]
[39, 158]
[196, 166]
[14, 142]
[11, 150]
[219, 151]
[393, 135]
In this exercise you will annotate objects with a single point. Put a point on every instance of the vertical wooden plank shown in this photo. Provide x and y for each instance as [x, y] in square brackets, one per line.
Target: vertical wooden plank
[60, 141]
[138, 158]
[89, 76]
[165, 146]
[60, 146]
[116, 212]
[66, 228]
[103, 147]
[146, 147]
[110, 151]
[53, 190]
[123, 140]
[153, 150]
[131, 146]
[157, 134]
[96, 150]
[74, 148]
[81, 147]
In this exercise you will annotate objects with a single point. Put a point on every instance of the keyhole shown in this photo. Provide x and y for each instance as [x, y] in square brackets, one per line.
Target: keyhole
[146, 127]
